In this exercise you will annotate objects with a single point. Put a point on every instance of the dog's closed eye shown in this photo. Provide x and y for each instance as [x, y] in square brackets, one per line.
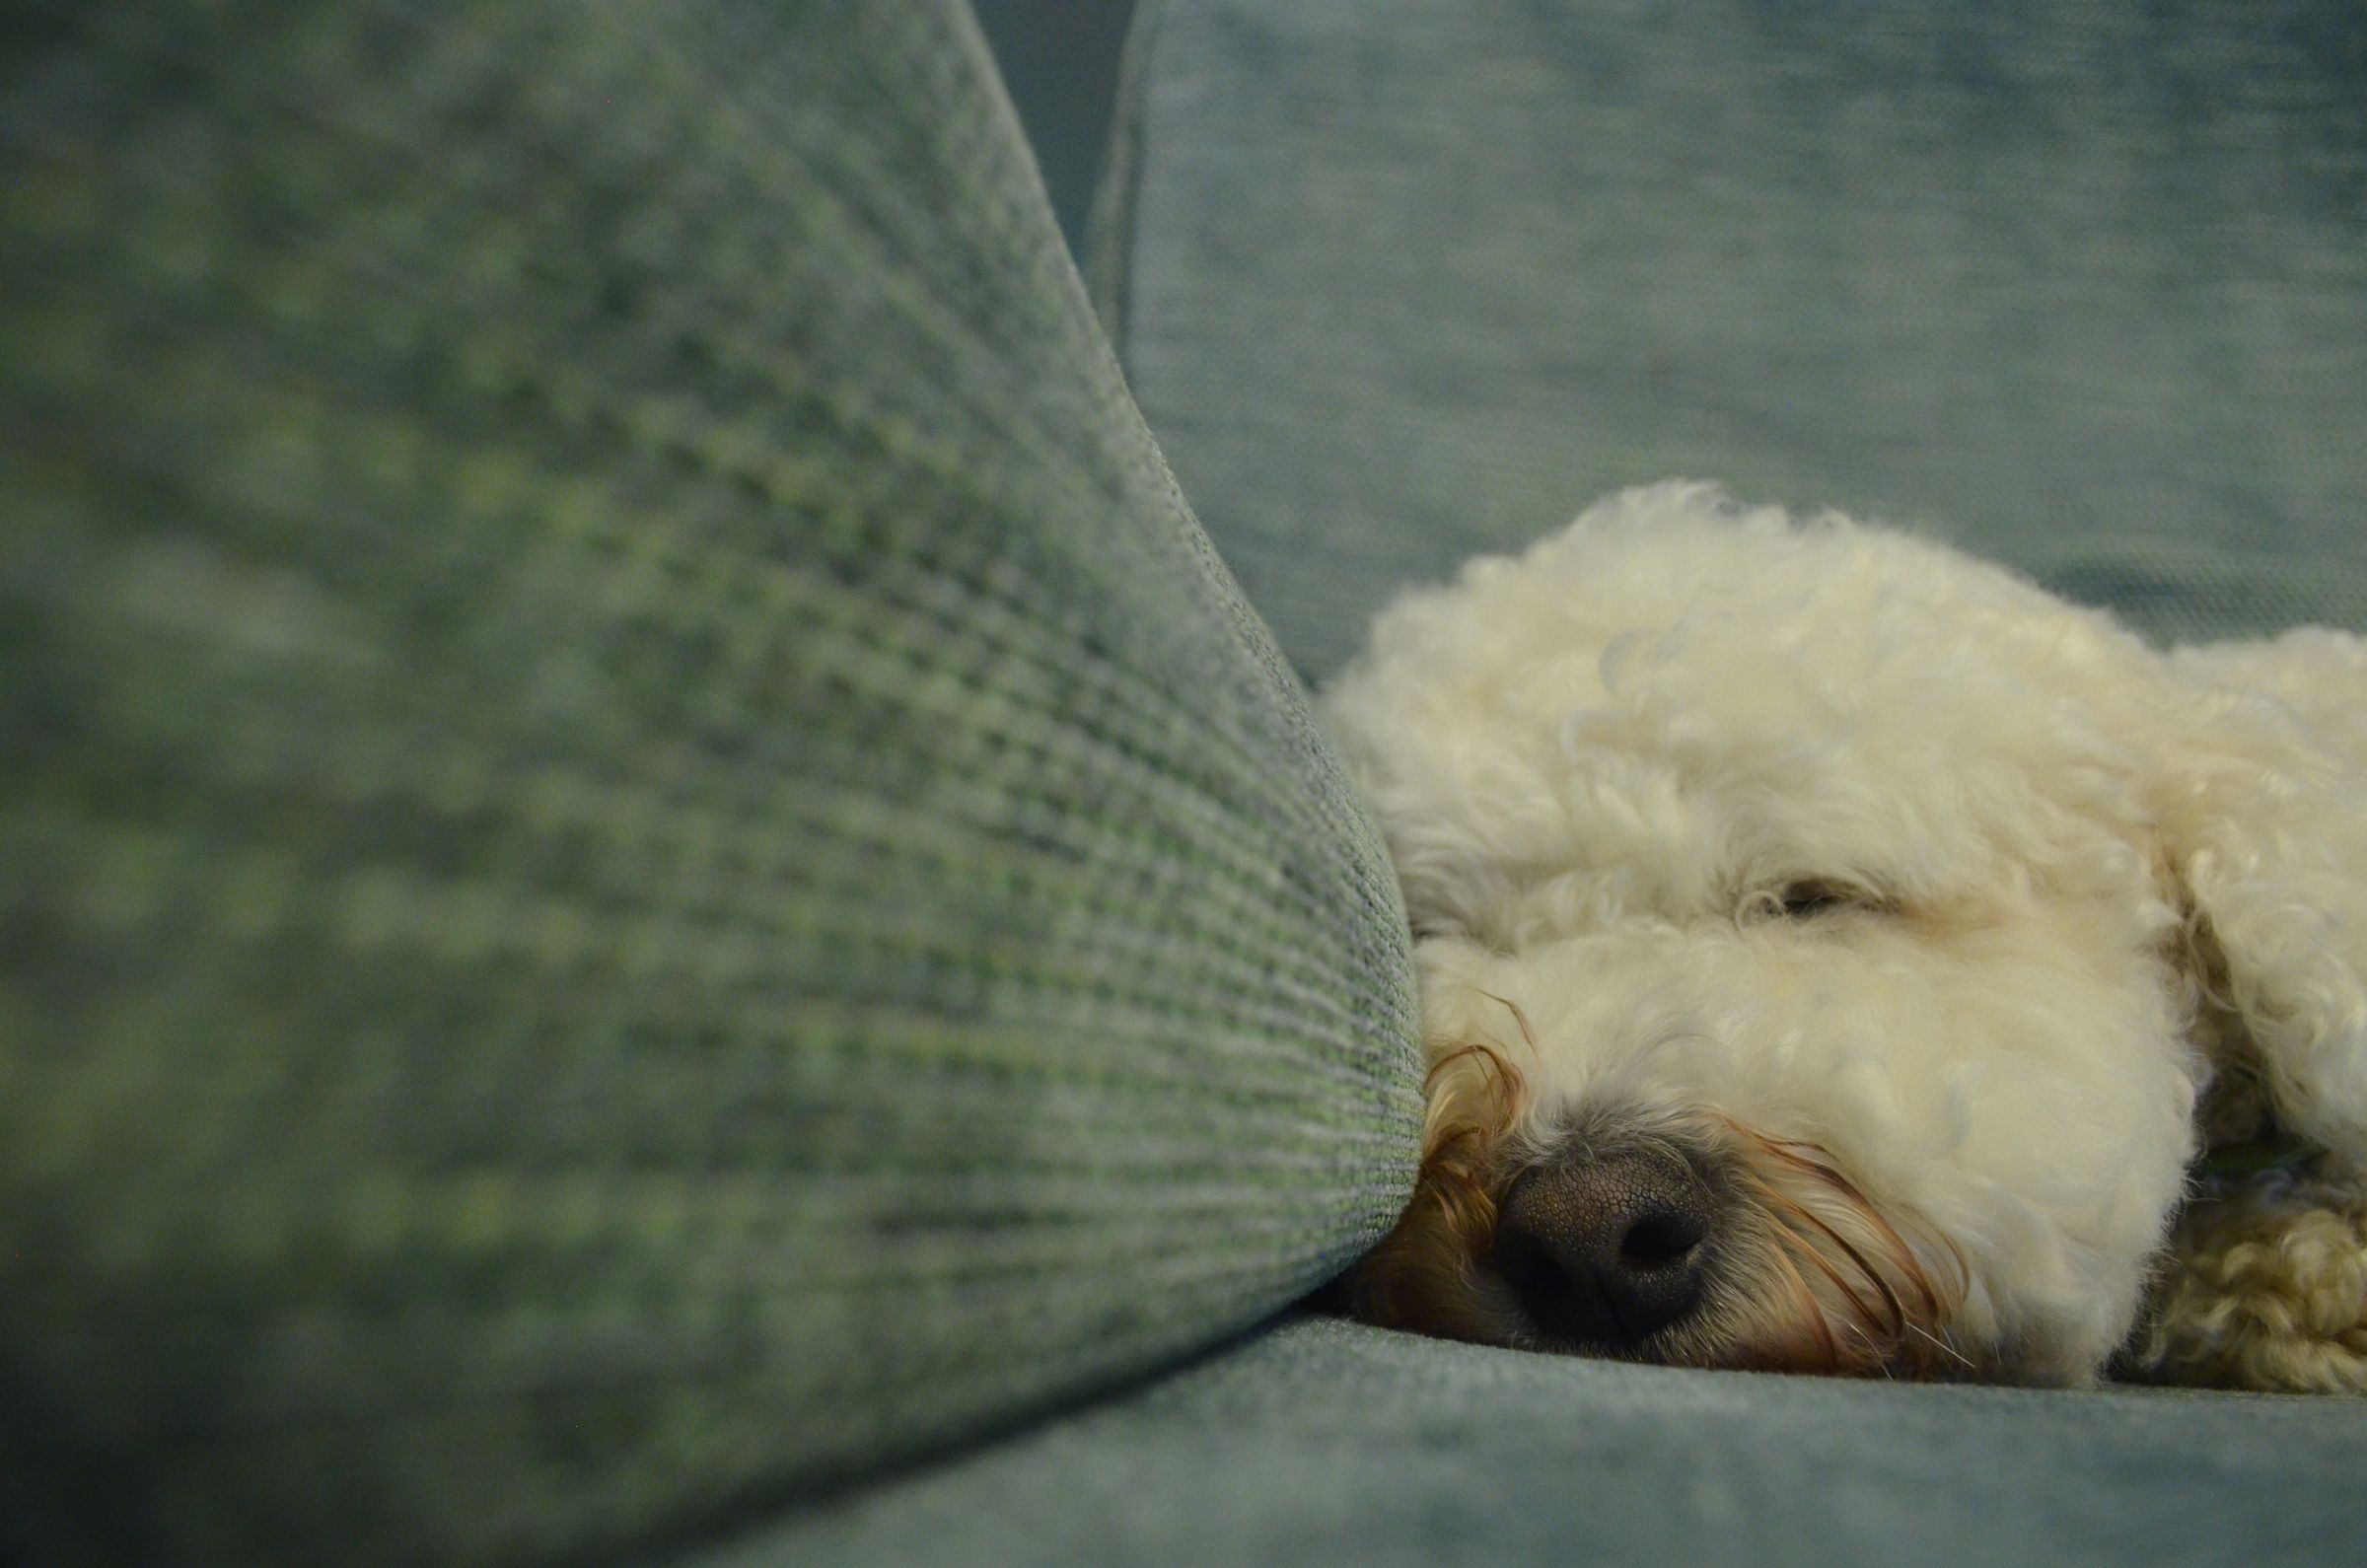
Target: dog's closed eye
[1804, 900]
[1807, 898]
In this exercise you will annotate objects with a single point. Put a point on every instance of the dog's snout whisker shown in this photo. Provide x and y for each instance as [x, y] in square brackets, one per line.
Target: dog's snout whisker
[1605, 1251]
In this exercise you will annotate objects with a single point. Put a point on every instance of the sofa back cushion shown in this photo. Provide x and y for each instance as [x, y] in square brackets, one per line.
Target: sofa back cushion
[644, 860]
[2084, 286]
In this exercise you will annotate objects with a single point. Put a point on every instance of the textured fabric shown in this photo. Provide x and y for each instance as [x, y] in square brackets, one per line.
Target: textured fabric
[2080, 283]
[1332, 1443]
[644, 860]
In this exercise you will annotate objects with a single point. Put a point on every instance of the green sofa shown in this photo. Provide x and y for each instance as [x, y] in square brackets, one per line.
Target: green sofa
[660, 902]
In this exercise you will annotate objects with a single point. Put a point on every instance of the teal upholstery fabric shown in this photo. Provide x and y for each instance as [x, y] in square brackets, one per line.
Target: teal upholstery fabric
[1058, 60]
[2081, 283]
[644, 860]
[1329, 1443]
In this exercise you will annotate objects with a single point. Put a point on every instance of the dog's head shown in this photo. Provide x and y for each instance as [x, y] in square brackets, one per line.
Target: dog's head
[1826, 942]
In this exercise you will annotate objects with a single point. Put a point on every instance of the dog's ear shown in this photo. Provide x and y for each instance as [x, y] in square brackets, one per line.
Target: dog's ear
[2261, 805]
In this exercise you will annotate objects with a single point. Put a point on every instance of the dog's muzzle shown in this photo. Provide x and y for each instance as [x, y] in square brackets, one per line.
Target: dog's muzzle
[1603, 1250]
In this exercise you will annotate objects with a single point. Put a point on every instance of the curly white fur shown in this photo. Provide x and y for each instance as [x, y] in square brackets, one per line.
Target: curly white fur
[2042, 882]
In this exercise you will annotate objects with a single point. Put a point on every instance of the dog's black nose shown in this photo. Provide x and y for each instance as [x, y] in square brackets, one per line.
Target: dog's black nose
[1607, 1250]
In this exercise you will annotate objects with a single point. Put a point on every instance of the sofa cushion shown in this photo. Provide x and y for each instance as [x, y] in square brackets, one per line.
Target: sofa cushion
[1331, 1443]
[644, 860]
[2083, 285]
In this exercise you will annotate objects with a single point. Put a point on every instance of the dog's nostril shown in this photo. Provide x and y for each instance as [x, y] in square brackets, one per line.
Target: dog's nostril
[1605, 1251]
[1659, 1241]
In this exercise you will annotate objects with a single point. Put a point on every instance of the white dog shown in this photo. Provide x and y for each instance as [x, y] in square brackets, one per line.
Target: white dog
[1836, 955]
